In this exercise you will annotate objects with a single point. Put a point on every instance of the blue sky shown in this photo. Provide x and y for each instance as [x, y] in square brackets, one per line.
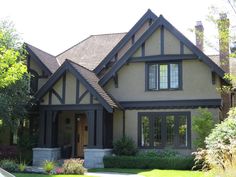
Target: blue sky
[55, 25]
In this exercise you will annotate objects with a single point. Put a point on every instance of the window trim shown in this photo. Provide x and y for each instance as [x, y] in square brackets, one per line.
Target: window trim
[151, 116]
[158, 84]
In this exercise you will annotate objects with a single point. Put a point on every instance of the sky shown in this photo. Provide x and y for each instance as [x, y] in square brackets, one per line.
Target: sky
[55, 25]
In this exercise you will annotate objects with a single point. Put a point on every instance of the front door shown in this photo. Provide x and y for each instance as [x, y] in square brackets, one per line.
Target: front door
[82, 134]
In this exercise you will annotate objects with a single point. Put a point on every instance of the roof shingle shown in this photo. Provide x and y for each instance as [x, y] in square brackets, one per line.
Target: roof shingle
[47, 59]
[91, 51]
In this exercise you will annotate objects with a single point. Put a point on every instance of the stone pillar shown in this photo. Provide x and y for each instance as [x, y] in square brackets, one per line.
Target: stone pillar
[93, 158]
[42, 154]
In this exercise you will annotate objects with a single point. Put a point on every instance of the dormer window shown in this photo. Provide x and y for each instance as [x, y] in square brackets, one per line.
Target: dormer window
[164, 76]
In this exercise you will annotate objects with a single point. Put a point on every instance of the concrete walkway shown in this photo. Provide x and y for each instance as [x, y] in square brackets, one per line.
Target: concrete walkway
[112, 174]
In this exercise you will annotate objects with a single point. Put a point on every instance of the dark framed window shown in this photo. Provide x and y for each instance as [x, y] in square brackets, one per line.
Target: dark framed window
[164, 129]
[164, 76]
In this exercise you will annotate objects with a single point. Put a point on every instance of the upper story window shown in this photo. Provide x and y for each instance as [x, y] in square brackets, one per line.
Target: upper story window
[164, 76]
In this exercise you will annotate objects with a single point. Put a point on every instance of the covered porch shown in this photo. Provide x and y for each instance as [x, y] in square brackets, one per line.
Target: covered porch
[74, 131]
[76, 117]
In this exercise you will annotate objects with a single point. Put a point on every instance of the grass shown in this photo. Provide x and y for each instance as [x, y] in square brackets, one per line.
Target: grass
[42, 175]
[153, 173]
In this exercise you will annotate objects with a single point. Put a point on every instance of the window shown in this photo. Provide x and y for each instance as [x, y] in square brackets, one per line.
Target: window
[163, 76]
[160, 129]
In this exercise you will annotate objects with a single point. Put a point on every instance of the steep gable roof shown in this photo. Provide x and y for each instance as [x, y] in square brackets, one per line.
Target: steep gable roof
[44, 59]
[161, 21]
[147, 16]
[88, 79]
[91, 51]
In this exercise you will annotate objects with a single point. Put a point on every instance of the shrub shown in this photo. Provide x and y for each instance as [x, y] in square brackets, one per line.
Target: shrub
[74, 166]
[124, 146]
[59, 170]
[48, 166]
[163, 154]
[220, 152]
[8, 165]
[146, 162]
[21, 167]
[202, 125]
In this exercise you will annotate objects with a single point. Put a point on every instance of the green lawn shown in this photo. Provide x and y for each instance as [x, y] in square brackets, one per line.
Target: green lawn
[41, 175]
[154, 173]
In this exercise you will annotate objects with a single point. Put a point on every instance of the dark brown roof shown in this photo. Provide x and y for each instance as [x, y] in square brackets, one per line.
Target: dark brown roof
[47, 59]
[91, 51]
[92, 79]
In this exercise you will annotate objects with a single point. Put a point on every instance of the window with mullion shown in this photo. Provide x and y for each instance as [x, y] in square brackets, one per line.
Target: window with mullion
[159, 130]
[163, 76]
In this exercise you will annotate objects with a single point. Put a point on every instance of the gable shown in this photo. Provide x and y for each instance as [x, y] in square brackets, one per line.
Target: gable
[162, 42]
[73, 84]
[67, 90]
[126, 42]
[166, 49]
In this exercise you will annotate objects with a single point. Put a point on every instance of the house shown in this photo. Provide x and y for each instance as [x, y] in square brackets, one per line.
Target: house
[146, 83]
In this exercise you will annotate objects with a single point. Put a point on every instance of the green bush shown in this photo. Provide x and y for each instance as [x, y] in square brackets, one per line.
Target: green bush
[124, 146]
[8, 165]
[74, 166]
[48, 166]
[21, 167]
[202, 125]
[164, 153]
[147, 162]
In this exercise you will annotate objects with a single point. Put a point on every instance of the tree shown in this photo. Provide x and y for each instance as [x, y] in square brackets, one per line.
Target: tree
[14, 79]
[12, 67]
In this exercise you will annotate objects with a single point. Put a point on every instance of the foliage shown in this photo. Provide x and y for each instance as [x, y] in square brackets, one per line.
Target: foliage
[124, 146]
[48, 166]
[163, 153]
[13, 102]
[147, 162]
[12, 56]
[59, 170]
[202, 125]
[21, 167]
[74, 166]
[43, 175]
[8, 165]
[220, 152]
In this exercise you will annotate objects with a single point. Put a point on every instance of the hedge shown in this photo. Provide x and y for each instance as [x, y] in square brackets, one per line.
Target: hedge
[143, 162]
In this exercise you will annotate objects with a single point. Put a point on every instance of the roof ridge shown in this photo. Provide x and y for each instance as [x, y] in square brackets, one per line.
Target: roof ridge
[87, 39]
[74, 45]
[108, 34]
[39, 49]
[70, 61]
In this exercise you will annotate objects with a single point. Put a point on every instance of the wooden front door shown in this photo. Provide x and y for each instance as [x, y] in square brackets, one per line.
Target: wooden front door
[82, 134]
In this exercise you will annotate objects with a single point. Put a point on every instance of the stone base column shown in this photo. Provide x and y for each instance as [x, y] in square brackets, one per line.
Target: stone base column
[93, 158]
[42, 154]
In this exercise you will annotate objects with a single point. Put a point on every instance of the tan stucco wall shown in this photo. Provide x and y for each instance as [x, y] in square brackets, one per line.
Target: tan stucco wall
[45, 99]
[131, 121]
[117, 124]
[41, 82]
[197, 84]
[171, 43]
[153, 45]
[70, 97]
[34, 66]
